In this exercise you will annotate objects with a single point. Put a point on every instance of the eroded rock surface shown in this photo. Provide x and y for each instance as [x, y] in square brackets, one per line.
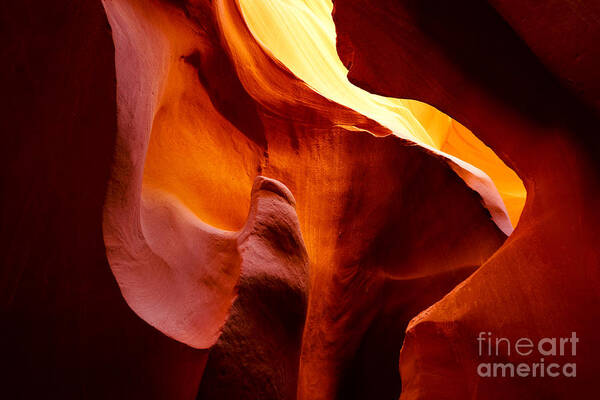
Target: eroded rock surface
[248, 213]
[381, 218]
[465, 59]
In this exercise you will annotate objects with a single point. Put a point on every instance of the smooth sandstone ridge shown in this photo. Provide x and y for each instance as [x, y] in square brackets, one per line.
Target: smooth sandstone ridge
[201, 200]
[381, 226]
[522, 81]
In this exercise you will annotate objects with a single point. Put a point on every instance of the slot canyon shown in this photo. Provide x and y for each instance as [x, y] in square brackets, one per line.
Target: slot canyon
[299, 199]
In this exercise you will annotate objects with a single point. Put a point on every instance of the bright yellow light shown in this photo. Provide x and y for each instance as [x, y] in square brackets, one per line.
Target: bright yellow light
[301, 35]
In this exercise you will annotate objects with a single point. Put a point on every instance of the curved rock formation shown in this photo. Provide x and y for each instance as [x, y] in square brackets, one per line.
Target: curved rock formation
[276, 227]
[66, 331]
[543, 281]
[370, 208]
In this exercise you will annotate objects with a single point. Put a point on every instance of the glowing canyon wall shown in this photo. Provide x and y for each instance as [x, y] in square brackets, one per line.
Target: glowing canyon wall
[216, 199]
[210, 109]
[499, 69]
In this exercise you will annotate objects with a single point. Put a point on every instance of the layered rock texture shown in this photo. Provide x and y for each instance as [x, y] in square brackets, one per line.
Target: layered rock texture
[520, 75]
[202, 205]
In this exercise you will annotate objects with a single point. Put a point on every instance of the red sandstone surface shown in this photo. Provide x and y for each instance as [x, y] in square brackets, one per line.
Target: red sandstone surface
[183, 217]
[498, 69]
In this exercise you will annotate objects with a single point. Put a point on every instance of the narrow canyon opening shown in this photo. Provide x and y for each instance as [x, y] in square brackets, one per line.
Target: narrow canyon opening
[302, 282]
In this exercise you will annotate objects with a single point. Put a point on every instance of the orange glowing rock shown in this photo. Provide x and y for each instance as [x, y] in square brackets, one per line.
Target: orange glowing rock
[389, 226]
[543, 281]
[279, 226]
[301, 35]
